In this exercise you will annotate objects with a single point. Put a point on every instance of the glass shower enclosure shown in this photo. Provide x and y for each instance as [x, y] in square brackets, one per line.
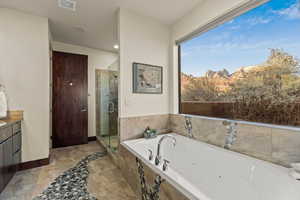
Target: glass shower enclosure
[107, 108]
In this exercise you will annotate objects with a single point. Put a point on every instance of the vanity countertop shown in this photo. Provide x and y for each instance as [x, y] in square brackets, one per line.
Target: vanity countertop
[9, 122]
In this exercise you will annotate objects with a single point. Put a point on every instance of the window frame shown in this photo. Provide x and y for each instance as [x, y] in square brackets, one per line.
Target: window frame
[179, 80]
[227, 16]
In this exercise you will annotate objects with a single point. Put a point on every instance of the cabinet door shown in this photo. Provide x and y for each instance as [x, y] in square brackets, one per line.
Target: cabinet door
[16, 127]
[17, 160]
[8, 160]
[17, 139]
[1, 168]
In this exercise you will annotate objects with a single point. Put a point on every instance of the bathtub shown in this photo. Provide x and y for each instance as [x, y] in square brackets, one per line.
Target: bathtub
[205, 172]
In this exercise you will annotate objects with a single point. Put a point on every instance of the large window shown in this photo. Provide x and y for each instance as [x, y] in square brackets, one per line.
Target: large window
[247, 68]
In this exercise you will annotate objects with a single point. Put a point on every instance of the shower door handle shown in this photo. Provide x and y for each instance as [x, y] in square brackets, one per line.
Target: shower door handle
[111, 107]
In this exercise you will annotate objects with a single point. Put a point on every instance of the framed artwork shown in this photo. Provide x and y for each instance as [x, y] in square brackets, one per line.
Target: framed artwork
[147, 79]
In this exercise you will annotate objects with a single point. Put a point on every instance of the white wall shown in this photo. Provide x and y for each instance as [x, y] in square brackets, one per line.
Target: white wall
[97, 59]
[142, 40]
[24, 70]
[204, 13]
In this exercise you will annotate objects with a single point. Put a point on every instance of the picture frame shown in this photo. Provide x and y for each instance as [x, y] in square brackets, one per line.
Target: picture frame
[147, 79]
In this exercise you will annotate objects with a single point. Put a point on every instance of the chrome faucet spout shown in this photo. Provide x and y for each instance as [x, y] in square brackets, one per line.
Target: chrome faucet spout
[158, 155]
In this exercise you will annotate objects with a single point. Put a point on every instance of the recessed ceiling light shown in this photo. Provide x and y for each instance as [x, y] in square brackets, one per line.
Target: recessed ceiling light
[67, 4]
[116, 46]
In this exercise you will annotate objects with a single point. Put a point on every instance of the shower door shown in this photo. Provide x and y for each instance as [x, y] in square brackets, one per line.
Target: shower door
[107, 107]
[113, 109]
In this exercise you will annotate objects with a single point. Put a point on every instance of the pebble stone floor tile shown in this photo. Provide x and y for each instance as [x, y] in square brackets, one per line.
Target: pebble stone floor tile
[104, 182]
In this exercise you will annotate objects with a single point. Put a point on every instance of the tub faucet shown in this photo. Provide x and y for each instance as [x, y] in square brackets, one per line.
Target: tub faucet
[188, 126]
[231, 133]
[158, 156]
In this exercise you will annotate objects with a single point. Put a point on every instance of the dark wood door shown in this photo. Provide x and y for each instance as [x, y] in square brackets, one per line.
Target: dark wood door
[69, 103]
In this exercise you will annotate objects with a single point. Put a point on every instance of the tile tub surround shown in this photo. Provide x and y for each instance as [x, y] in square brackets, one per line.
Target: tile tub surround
[206, 172]
[276, 144]
[126, 161]
[133, 127]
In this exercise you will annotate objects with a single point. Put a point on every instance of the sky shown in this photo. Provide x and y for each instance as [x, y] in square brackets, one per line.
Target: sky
[246, 40]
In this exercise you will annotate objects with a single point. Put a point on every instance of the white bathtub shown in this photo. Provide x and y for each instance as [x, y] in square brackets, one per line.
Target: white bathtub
[206, 172]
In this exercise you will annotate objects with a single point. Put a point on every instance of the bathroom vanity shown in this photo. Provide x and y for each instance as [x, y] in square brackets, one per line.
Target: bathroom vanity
[10, 150]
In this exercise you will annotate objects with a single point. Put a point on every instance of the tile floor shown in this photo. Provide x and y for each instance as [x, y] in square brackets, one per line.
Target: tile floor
[105, 181]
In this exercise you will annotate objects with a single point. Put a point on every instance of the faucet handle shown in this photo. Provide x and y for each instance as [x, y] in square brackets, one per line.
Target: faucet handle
[150, 154]
[165, 165]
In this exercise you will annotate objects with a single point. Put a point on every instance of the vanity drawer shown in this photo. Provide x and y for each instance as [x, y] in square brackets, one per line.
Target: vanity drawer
[16, 127]
[17, 142]
[5, 133]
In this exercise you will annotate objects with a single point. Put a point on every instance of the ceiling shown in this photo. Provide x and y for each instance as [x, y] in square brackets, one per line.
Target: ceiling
[94, 23]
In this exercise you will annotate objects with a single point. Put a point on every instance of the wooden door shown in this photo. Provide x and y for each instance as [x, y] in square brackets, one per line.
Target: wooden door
[69, 99]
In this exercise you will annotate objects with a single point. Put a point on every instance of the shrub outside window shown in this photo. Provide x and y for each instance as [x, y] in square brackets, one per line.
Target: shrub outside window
[246, 69]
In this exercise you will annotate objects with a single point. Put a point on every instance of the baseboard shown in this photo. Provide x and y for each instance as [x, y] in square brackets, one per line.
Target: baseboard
[34, 164]
[92, 138]
[42, 162]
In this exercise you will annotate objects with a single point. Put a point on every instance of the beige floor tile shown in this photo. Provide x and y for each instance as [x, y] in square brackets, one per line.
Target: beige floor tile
[105, 180]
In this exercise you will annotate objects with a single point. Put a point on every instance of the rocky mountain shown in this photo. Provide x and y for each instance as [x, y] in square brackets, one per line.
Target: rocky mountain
[217, 74]
[220, 79]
